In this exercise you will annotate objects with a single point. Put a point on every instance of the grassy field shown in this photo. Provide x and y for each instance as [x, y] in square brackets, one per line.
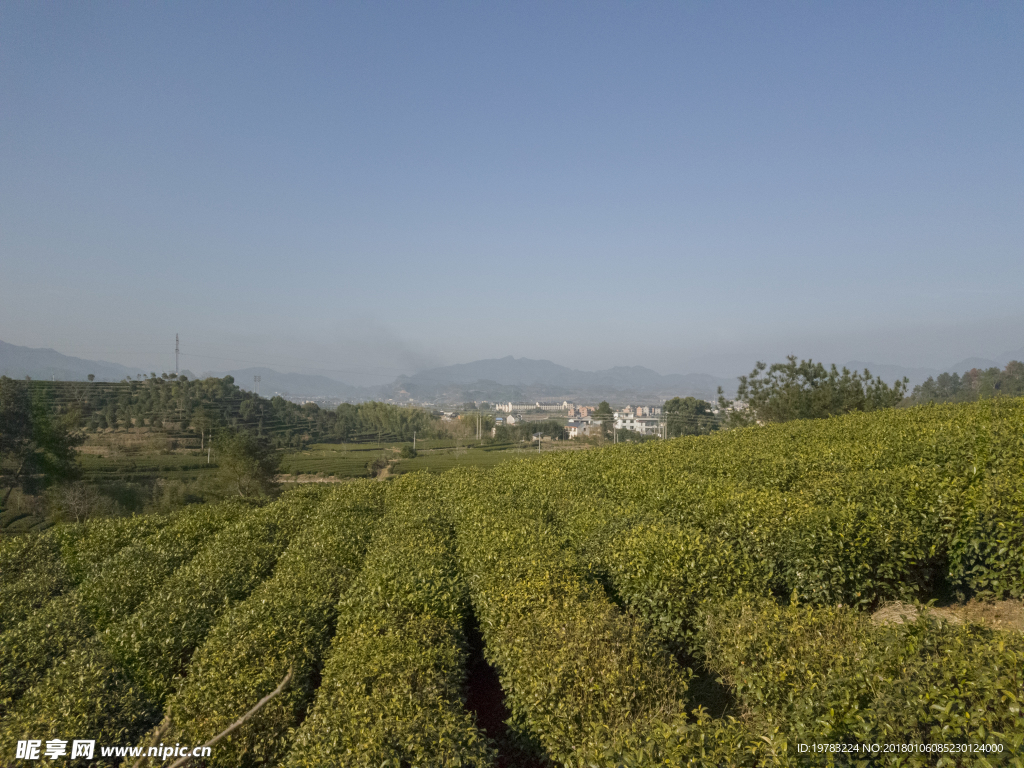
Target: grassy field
[444, 459]
[147, 458]
[144, 465]
[350, 460]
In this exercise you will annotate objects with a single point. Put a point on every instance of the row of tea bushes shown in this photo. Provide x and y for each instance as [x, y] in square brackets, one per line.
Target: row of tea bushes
[37, 567]
[114, 685]
[286, 623]
[662, 571]
[582, 679]
[110, 594]
[855, 510]
[392, 684]
[828, 675]
[986, 539]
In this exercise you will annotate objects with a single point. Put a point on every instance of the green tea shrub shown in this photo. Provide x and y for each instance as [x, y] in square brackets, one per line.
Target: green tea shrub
[584, 680]
[853, 510]
[137, 661]
[110, 593]
[828, 675]
[284, 624]
[392, 683]
[986, 545]
[52, 562]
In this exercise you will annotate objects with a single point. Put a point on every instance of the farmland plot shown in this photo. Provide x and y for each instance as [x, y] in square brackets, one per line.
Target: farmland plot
[610, 588]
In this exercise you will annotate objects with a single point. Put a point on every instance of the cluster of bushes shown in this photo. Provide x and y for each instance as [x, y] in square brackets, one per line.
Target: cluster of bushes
[285, 624]
[828, 675]
[36, 568]
[582, 679]
[610, 588]
[900, 504]
[113, 685]
[392, 683]
[853, 511]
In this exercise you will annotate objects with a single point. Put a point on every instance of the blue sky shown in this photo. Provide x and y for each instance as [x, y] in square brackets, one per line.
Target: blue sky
[368, 189]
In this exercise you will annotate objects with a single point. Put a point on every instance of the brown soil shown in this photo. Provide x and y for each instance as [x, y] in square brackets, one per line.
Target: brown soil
[1006, 615]
[485, 698]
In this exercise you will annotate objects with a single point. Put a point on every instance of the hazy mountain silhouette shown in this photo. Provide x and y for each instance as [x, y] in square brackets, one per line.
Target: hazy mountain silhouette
[19, 362]
[510, 378]
[299, 385]
[493, 380]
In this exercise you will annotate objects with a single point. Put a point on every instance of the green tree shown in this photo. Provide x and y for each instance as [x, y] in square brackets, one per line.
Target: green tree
[807, 390]
[346, 421]
[975, 384]
[36, 447]
[246, 464]
[603, 413]
[689, 416]
[203, 421]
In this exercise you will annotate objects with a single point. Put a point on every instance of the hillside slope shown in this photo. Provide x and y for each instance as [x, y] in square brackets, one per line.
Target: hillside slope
[606, 590]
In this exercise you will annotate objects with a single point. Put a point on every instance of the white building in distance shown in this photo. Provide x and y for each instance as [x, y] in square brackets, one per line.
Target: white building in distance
[644, 425]
[582, 428]
[526, 407]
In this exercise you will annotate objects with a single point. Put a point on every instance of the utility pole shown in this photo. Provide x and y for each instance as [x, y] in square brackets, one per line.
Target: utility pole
[256, 381]
[414, 441]
[175, 354]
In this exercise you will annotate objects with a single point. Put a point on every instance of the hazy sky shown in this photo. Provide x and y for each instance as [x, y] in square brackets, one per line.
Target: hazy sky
[369, 189]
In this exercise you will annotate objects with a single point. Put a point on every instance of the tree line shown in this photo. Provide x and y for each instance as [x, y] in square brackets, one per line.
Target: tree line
[976, 384]
[177, 404]
[43, 423]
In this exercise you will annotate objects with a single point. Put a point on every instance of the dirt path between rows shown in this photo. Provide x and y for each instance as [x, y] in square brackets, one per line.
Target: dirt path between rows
[1007, 615]
[385, 473]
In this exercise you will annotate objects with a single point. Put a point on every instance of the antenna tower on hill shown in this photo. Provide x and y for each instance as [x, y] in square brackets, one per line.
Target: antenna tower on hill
[175, 354]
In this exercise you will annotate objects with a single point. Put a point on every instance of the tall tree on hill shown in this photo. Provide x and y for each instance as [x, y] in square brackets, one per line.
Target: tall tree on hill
[807, 390]
[247, 465]
[36, 446]
[203, 421]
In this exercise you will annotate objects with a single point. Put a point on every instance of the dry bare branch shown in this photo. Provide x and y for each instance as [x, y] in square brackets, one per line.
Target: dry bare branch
[240, 721]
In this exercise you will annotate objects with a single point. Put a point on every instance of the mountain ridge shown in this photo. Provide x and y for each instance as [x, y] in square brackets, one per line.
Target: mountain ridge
[492, 379]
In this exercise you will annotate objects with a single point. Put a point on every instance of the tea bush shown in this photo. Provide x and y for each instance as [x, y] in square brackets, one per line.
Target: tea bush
[828, 675]
[49, 563]
[392, 683]
[115, 684]
[580, 677]
[285, 623]
[110, 594]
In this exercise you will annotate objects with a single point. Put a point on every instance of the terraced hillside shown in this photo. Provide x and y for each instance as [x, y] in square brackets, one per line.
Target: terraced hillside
[703, 601]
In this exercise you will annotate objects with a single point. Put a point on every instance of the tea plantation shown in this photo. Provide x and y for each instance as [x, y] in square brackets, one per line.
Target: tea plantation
[703, 601]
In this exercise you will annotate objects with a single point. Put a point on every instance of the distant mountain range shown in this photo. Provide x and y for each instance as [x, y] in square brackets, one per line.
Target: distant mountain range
[510, 378]
[495, 380]
[299, 385]
[19, 362]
